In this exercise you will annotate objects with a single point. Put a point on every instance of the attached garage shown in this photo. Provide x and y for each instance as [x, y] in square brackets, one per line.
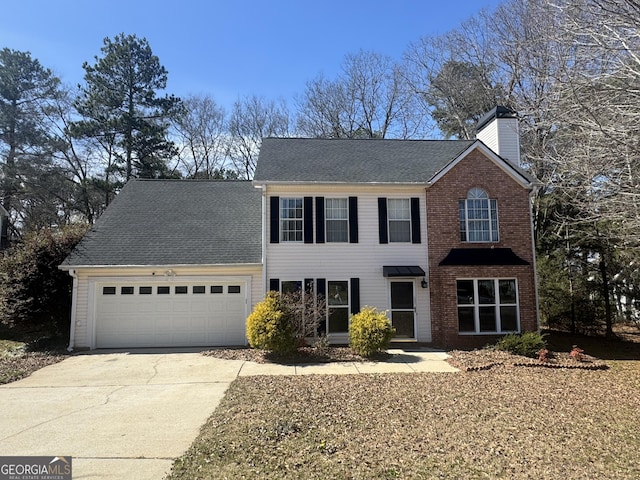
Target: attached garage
[176, 314]
[170, 263]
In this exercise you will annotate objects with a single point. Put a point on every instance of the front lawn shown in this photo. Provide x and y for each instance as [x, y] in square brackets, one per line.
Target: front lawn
[506, 422]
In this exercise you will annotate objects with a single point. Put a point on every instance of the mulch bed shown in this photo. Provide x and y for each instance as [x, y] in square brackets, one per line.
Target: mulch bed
[486, 359]
[303, 355]
[475, 360]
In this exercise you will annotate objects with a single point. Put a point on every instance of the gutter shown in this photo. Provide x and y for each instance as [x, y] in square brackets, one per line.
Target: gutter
[180, 265]
[264, 239]
[74, 301]
[534, 190]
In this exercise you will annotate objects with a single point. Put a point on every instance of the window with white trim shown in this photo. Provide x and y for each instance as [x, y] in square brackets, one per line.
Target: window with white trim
[487, 305]
[399, 218]
[291, 219]
[338, 306]
[478, 216]
[336, 219]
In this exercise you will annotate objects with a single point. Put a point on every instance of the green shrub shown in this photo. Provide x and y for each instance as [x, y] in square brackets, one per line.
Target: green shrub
[527, 344]
[270, 325]
[370, 332]
[35, 295]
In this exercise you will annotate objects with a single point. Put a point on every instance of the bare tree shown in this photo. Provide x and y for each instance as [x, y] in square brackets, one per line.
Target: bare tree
[252, 119]
[454, 79]
[201, 135]
[369, 99]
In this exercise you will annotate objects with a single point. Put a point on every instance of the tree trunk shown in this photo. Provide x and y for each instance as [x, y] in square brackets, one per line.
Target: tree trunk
[607, 297]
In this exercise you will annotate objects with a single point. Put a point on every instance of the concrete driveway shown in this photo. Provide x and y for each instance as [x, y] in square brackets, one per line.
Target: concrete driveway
[130, 414]
[119, 415]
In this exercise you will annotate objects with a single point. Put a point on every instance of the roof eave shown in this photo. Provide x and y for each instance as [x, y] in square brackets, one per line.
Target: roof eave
[325, 182]
[66, 267]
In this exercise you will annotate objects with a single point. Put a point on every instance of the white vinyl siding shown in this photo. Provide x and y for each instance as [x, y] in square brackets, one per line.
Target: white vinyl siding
[503, 138]
[363, 260]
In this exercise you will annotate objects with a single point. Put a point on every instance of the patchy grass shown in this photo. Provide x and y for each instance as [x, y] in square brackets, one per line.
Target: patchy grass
[508, 422]
[19, 360]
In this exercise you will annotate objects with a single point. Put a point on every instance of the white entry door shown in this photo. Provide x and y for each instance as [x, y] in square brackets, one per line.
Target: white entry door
[403, 309]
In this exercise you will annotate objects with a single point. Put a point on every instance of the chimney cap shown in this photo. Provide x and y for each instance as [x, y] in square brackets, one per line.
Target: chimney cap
[496, 112]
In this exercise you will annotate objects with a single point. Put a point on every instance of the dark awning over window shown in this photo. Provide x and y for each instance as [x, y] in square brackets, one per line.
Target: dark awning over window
[403, 271]
[482, 256]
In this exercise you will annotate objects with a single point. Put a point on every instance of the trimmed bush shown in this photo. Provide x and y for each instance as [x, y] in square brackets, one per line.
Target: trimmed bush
[370, 332]
[527, 344]
[270, 325]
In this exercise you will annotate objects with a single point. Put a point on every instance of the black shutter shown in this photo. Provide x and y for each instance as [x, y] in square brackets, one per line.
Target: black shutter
[415, 220]
[321, 286]
[382, 220]
[353, 219]
[274, 219]
[321, 289]
[319, 219]
[308, 219]
[355, 295]
[274, 284]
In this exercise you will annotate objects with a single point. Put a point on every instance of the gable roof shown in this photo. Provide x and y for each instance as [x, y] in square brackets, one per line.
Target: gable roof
[514, 171]
[288, 160]
[176, 222]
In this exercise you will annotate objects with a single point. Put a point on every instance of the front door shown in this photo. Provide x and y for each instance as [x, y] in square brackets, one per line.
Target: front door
[403, 309]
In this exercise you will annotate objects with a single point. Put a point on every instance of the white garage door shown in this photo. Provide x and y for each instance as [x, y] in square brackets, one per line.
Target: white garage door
[170, 315]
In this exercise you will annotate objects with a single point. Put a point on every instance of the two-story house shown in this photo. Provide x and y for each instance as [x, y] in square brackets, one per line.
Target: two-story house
[437, 233]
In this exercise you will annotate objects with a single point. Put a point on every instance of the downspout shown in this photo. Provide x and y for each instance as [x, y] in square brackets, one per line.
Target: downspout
[264, 239]
[74, 302]
[534, 190]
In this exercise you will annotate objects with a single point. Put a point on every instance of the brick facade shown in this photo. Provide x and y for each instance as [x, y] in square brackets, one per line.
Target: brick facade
[514, 224]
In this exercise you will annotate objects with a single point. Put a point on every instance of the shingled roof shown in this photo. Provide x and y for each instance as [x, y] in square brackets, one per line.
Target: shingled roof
[176, 222]
[354, 161]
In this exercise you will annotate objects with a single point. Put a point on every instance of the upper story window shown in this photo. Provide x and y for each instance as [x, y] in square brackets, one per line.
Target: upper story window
[337, 219]
[291, 220]
[399, 216]
[478, 217]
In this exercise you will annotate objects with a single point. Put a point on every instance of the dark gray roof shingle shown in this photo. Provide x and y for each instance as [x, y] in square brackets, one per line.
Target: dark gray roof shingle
[176, 222]
[354, 161]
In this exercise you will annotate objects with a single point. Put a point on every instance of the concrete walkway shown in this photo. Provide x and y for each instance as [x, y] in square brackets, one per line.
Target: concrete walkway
[402, 361]
[129, 414]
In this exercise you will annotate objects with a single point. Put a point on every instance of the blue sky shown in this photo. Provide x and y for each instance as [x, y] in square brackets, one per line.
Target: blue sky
[228, 49]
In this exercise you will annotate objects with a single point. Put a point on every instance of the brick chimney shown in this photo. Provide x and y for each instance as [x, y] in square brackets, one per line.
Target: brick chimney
[499, 131]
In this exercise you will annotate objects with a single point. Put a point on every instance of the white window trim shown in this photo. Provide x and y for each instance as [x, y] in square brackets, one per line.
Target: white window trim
[476, 306]
[415, 307]
[490, 219]
[389, 220]
[327, 220]
[282, 220]
[347, 306]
